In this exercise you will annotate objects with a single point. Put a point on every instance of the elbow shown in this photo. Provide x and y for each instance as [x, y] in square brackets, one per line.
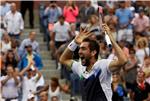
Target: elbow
[61, 60]
[124, 61]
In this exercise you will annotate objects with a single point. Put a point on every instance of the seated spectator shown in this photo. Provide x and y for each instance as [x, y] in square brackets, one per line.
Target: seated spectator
[29, 57]
[29, 80]
[118, 88]
[141, 23]
[54, 89]
[5, 43]
[44, 96]
[10, 84]
[146, 69]
[30, 40]
[130, 69]
[111, 21]
[11, 59]
[142, 50]
[140, 88]
[70, 12]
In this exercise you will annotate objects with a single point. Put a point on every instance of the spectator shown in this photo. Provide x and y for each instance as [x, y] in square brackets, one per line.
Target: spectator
[70, 12]
[4, 7]
[52, 12]
[118, 88]
[28, 5]
[146, 69]
[29, 57]
[13, 22]
[124, 16]
[54, 89]
[141, 23]
[30, 40]
[140, 89]
[31, 97]
[111, 21]
[44, 96]
[61, 34]
[85, 12]
[29, 80]
[10, 84]
[5, 43]
[130, 69]
[142, 50]
[104, 53]
[11, 59]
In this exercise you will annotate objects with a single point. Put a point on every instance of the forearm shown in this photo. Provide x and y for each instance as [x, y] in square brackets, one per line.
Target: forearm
[66, 57]
[16, 80]
[4, 81]
[122, 59]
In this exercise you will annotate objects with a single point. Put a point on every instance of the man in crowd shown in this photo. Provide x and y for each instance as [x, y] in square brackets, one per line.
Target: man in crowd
[30, 80]
[13, 22]
[29, 57]
[10, 84]
[30, 40]
[95, 75]
[124, 16]
[141, 22]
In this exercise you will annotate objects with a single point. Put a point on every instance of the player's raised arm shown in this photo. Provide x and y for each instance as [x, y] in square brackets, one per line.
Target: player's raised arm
[122, 59]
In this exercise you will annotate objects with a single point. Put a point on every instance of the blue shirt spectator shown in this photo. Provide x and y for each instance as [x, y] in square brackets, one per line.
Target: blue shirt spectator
[53, 12]
[4, 8]
[124, 15]
[29, 57]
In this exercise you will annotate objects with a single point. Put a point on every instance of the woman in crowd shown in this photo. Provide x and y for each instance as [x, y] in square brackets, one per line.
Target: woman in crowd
[118, 88]
[142, 50]
[70, 12]
[5, 43]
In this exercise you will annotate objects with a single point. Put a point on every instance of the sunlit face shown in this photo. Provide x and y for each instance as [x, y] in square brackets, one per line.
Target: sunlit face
[32, 35]
[147, 63]
[140, 75]
[85, 53]
[13, 7]
[43, 96]
[10, 70]
[115, 78]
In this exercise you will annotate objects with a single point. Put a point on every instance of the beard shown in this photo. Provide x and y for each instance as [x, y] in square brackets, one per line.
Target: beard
[85, 61]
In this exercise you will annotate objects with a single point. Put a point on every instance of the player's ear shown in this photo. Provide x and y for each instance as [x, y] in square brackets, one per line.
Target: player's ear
[93, 53]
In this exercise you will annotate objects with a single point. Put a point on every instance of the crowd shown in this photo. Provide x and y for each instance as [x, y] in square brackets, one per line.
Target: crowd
[21, 62]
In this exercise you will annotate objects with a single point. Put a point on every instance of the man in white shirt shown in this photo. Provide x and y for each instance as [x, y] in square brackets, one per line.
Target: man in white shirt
[30, 80]
[10, 84]
[95, 75]
[13, 22]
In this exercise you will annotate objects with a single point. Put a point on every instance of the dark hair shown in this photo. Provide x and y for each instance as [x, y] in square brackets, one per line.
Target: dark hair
[93, 45]
[55, 79]
[61, 17]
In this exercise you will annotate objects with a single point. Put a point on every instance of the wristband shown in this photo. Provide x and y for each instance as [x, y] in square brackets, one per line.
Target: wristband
[73, 45]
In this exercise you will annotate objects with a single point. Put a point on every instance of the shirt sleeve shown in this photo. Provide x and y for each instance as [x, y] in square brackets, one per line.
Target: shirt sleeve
[75, 67]
[104, 65]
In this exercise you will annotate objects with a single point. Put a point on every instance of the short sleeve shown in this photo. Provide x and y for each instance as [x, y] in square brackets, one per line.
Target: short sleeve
[104, 65]
[76, 67]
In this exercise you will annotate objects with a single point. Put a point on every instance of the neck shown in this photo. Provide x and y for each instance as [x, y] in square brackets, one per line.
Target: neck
[13, 12]
[92, 62]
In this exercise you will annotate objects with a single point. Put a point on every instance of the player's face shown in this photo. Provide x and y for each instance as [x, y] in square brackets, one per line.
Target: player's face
[85, 53]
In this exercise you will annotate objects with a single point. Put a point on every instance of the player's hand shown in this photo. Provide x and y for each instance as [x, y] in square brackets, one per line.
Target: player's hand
[84, 33]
